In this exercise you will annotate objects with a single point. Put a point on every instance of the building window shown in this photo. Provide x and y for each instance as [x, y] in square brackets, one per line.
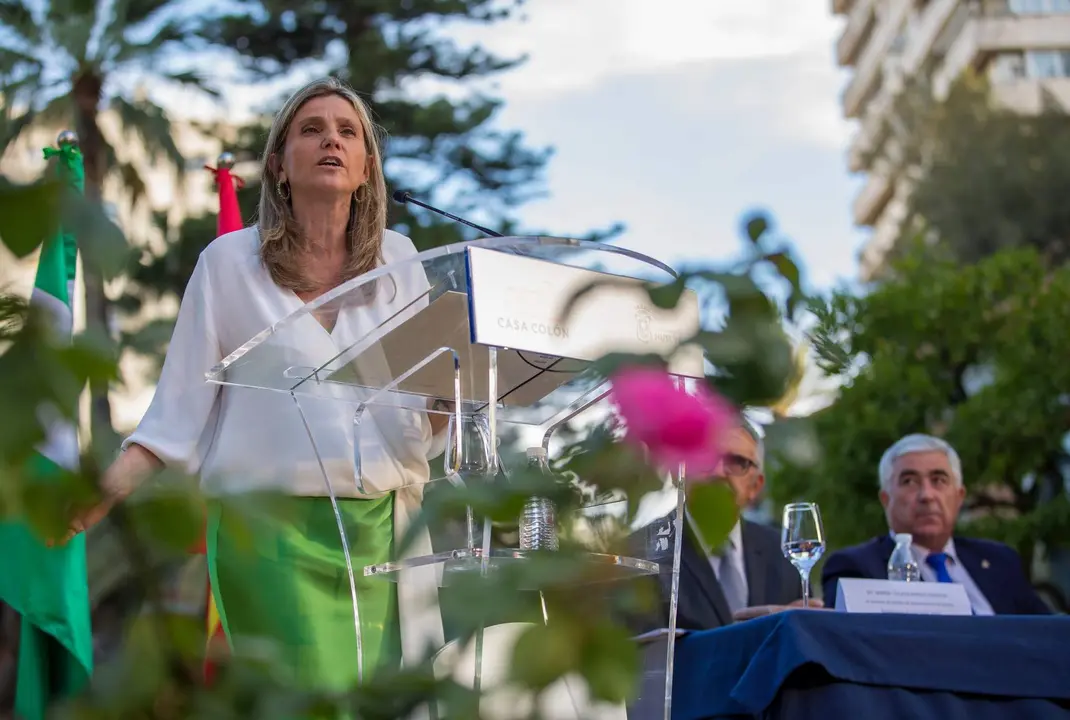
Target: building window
[1038, 7]
[1007, 67]
[1032, 64]
[1047, 63]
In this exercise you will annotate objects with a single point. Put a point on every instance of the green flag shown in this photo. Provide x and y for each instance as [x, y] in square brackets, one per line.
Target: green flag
[48, 586]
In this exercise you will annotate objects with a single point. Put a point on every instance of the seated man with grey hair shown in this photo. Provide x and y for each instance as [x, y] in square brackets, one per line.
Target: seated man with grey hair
[921, 491]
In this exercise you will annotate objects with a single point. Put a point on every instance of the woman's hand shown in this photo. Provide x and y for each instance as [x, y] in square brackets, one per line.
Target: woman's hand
[85, 519]
[118, 482]
[440, 418]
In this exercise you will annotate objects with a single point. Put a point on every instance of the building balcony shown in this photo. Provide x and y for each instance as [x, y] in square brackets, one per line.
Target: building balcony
[870, 203]
[883, 238]
[871, 129]
[874, 56]
[859, 25]
[1032, 96]
[927, 31]
[923, 37]
[983, 36]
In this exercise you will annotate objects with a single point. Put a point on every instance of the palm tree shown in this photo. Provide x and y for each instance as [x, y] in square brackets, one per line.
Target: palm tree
[62, 64]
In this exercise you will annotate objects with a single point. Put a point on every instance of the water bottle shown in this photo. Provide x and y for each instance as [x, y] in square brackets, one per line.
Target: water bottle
[902, 565]
[538, 530]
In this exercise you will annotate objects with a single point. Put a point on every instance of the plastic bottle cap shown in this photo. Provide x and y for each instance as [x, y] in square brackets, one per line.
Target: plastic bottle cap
[537, 452]
[904, 538]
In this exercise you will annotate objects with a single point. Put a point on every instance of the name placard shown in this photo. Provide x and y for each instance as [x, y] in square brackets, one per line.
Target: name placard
[858, 595]
[518, 302]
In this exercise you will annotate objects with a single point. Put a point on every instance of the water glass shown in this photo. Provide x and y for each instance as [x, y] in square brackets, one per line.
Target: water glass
[802, 539]
[468, 453]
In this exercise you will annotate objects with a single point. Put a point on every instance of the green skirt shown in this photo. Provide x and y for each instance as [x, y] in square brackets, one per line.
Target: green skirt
[278, 573]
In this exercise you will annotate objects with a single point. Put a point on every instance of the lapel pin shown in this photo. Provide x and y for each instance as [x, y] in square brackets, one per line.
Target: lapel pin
[984, 564]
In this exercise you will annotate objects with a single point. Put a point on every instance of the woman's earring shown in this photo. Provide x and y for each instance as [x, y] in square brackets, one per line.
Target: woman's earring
[283, 189]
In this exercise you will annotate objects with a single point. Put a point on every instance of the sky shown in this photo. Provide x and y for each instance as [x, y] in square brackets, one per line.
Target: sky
[677, 118]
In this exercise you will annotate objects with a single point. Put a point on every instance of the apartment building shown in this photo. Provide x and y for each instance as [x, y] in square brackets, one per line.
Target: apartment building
[1023, 46]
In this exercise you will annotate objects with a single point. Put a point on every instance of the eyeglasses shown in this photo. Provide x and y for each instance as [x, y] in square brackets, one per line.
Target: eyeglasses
[737, 465]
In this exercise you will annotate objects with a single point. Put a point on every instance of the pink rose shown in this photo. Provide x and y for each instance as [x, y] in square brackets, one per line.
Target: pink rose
[673, 425]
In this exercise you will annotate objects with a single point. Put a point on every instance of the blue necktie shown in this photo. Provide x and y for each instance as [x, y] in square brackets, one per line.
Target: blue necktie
[938, 562]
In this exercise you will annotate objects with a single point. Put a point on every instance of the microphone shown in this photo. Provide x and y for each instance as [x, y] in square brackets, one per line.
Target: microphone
[403, 197]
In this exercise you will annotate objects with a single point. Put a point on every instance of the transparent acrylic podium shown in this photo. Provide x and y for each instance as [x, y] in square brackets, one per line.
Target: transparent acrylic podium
[436, 355]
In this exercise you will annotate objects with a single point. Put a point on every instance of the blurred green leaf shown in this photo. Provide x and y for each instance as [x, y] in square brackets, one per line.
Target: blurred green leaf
[787, 268]
[545, 653]
[611, 664]
[757, 226]
[29, 214]
[616, 467]
[170, 515]
[668, 295]
[713, 509]
[794, 440]
[151, 338]
[100, 241]
[610, 364]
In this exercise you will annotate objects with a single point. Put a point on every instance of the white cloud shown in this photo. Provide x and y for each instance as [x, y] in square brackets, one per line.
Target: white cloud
[680, 154]
[576, 43]
[676, 116]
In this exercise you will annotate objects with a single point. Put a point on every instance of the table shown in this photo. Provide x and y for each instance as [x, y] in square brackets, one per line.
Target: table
[810, 664]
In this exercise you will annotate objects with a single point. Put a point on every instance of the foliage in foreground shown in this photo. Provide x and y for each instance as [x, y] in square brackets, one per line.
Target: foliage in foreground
[155, 673]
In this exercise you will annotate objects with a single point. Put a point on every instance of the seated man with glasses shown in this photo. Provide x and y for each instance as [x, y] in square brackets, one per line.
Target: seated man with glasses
[748, 575]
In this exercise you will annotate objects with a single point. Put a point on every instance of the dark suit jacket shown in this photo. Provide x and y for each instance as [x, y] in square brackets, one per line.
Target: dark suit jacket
[995, 568]
[701, 605]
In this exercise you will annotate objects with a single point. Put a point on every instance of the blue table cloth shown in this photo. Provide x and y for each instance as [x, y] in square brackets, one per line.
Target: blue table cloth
[804, 664]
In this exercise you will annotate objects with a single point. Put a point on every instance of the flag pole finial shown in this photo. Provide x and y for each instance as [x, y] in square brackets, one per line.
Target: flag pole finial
[67, 137]
[226, 160]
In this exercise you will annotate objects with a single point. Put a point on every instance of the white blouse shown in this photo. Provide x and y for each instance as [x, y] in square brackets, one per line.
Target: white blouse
[242, 439]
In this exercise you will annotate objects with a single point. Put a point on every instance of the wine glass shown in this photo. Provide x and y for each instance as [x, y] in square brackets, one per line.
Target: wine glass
[802, 539]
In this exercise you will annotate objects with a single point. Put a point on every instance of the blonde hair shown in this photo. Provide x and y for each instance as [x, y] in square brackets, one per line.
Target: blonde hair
[281, 244]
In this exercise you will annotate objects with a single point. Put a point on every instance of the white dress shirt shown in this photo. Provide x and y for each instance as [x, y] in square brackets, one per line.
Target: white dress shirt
[242, 439]
[958, 573]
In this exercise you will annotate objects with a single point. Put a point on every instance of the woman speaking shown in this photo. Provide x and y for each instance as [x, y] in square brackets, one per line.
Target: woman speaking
[274, 555]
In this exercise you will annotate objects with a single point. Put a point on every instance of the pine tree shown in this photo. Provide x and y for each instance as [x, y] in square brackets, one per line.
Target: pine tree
[89, 44]
[444, 150]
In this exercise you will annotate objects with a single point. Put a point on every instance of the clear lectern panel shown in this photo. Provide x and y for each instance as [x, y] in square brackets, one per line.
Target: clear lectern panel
[595, 545]
[373, 362]
[405, 326]
[419, 363]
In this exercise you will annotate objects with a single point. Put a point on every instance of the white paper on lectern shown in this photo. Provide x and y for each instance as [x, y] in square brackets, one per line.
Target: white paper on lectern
[519, 302]
[860, 595]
